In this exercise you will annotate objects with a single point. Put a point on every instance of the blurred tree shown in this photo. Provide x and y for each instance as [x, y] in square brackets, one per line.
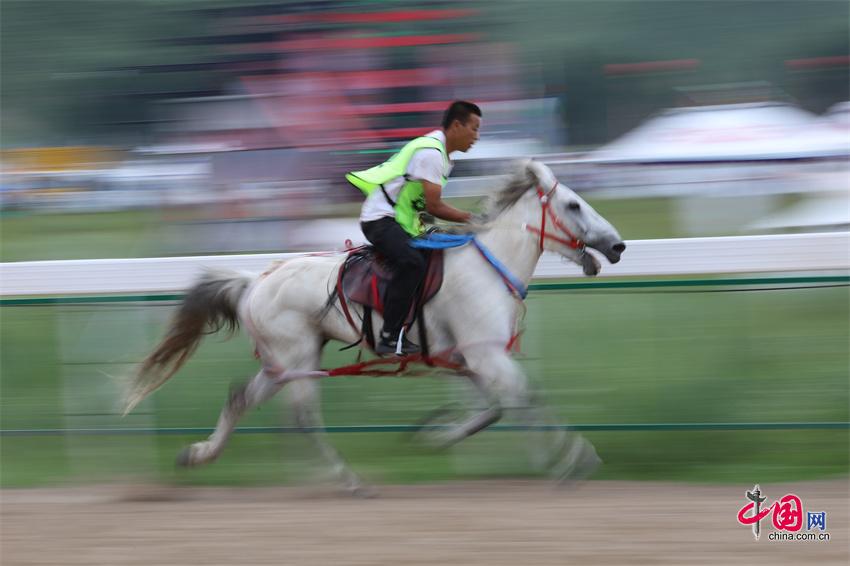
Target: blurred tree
[88, 70]
[63, 62]
[733, 41]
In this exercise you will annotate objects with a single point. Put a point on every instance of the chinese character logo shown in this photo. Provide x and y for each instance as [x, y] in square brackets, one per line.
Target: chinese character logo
[754, 505]
[787, 512]
[816, 520]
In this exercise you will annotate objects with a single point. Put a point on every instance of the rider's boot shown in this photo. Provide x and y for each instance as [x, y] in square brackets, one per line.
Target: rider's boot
[388, 343]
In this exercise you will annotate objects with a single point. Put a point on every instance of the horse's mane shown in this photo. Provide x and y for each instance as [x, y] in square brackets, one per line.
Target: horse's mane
[514, 186]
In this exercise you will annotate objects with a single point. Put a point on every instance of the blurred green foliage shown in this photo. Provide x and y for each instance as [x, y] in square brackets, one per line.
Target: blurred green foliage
[73, 71]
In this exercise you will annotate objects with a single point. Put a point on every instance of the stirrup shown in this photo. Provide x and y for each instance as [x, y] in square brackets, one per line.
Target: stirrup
[400, 346]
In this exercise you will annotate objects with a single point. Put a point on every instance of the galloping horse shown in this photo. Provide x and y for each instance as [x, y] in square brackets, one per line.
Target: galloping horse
[473, 316]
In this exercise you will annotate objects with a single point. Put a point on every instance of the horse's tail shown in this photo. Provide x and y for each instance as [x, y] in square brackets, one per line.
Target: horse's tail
[210, 305]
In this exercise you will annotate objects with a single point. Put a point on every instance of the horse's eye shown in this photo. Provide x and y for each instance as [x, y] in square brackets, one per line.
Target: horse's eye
[573, 205]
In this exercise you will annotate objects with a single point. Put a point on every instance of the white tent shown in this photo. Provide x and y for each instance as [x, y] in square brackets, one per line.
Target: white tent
[838, 116]
[829, 211]
[736, 132]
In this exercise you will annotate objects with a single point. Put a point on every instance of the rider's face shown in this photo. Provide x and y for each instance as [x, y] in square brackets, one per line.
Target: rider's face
[466, 134]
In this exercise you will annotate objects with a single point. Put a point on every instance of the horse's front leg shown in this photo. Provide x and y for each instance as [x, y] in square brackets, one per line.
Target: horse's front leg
[500, 383]
[503, 385]
[565, 454]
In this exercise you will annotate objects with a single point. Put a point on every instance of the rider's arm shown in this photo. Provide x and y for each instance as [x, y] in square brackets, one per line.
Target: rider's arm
[434, 204]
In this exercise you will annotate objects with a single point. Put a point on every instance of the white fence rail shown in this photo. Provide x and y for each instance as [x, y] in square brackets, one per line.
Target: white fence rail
[817, 252]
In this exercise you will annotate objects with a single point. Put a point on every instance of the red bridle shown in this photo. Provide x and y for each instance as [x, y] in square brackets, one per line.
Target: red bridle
[546, 210]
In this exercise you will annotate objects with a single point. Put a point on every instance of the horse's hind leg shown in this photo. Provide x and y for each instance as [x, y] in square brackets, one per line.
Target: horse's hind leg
[304, 398]
[260, 388]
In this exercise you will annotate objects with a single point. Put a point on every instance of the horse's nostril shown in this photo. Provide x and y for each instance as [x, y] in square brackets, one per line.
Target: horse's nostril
[619, 248]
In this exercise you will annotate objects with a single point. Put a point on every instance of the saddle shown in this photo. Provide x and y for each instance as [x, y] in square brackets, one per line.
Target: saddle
[364, 279]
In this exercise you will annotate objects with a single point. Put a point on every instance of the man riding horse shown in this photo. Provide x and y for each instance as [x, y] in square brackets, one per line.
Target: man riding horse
[473, 318]
[410, 182]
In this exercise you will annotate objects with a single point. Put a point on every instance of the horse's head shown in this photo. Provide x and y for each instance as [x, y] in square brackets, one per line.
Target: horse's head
[564, 223]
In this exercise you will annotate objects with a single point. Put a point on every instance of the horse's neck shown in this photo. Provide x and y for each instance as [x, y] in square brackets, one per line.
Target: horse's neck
[511, 243]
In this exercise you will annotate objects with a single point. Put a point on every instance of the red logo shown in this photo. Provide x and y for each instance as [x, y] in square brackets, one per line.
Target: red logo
[787, 512]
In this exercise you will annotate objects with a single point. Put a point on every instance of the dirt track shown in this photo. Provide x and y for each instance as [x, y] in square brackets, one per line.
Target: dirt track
[480, 523]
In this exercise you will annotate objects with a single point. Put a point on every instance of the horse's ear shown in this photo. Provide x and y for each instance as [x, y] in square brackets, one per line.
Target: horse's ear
[538, 172]
[528, 168]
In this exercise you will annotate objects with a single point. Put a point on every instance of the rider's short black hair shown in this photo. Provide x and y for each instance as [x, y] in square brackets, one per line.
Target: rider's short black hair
[459, 110]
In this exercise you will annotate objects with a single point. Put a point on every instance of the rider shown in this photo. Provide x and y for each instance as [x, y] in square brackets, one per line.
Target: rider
[410, 182]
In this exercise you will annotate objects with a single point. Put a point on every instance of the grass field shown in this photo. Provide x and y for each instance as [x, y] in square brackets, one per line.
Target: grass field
[599, 357]
[25, 236]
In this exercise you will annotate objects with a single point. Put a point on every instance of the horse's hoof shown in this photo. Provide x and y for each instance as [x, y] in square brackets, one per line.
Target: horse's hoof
[579, 475]
[184, 458]
[580, 462]
[433, 432]
[196, 454]
[363, 492]
[438, 442]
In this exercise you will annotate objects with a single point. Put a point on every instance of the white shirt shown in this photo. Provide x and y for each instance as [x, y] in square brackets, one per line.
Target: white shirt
[423, 166]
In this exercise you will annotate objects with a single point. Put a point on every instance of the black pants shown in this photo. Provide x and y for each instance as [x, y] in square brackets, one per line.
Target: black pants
[408, 265]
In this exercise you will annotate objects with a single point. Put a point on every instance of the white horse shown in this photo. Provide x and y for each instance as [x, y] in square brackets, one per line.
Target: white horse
[473, 316]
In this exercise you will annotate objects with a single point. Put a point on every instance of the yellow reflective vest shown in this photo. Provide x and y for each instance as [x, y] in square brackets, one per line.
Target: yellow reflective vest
[411, 198]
